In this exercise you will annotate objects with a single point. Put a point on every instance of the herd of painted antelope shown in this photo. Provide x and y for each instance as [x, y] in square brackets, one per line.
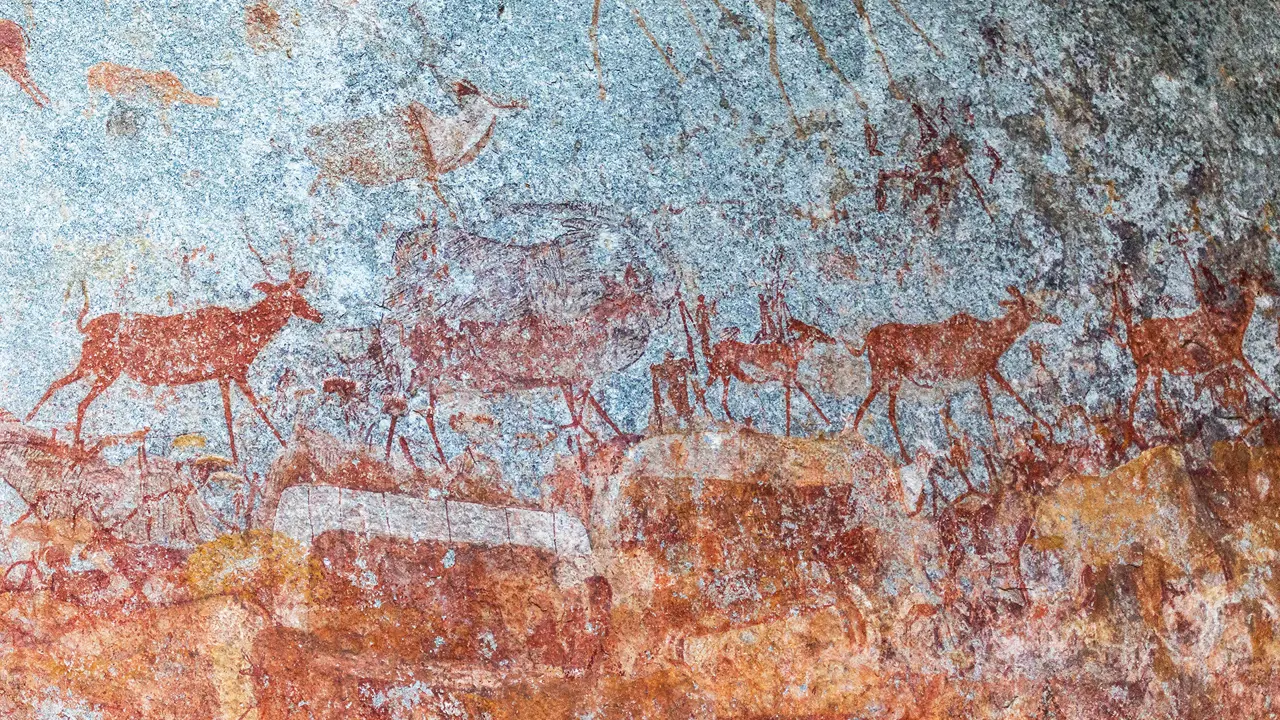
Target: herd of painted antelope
[528, 350]
[412, 142]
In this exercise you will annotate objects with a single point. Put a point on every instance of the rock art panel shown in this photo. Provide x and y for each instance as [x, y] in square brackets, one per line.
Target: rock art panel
[729, 359]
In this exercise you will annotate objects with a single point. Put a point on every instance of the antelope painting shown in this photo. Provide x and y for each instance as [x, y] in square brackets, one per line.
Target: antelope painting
[410, 143]
[13, 60]
[160, 87]
[212, 343]
[1207, 341]
[962, 348]
[775, 357]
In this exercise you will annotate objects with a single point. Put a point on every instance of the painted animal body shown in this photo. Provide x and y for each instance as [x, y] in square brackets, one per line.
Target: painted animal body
[756, 363]
[962, 348]
[492, 317]
[411, 143]
[1194, 345]
[159, 86]
[213, 343]
[13, 60]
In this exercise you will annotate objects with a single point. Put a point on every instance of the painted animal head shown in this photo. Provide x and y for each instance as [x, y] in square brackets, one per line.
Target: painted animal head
[288, 293]
[1031, 305]
[465, 91]
[1260, 282]
[808, 334]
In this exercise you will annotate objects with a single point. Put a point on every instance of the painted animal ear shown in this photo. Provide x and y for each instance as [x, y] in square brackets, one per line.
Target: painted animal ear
[1014, 291]
[300, 280]
[265, 288]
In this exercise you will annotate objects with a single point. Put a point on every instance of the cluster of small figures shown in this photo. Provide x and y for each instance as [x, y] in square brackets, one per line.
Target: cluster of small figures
[1206, 345]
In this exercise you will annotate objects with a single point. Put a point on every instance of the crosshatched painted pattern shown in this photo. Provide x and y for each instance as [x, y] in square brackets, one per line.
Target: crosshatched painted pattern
[646, 359]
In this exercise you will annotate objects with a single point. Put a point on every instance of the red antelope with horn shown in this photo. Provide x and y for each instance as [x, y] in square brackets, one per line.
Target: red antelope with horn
[211, 343]
[1209, 340]
[962, 348]
[776, 358]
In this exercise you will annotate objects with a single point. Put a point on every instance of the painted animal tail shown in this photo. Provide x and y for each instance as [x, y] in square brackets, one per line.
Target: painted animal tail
[84, 311]
[193, 99]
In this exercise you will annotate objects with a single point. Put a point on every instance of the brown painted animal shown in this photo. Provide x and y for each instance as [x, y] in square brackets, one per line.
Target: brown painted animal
[937, 174]
[1200, 344]
[212, 343]
[13, 60]
[962, 348]
[412, 142]
[774, 361]
[160, 87]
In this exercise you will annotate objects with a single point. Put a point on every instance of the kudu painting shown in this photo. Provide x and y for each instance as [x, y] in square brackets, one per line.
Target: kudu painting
[211, 343]
[680, 360]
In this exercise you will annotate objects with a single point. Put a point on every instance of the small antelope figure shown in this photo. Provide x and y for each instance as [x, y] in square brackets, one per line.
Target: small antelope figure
[1209, 340]
[774, 361]
[160, 87]
[962, 348]
[212, 343]
[13, 60]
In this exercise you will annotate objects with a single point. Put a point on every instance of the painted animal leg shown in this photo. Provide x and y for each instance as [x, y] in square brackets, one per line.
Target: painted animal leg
[977, 190]
[1162, 407]
[995, 374]
[576, 412]
[809, 397]
[700, 392]
[871, 395]
[225, 386]
[724, 398]
[29, 87]
[893, 421]
[786, 392]
[99, 385]
[431, 425]
[1248, 367]
[391, 436]
[603, 415]
[435, 187]
[657, 404]
[991, 413]
[243, 384]
[57, 385]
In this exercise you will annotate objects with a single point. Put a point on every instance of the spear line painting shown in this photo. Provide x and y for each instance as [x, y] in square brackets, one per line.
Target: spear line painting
[660, 359]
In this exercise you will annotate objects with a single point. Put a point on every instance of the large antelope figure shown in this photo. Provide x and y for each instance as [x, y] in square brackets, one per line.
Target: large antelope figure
[13, 60]
[962, 348]
[1208, 339]
[777, 360]
[212, 343]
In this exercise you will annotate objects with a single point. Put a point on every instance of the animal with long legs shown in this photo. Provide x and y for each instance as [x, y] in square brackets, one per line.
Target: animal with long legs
[1206, 341]
[962, 348]
[211, 343]
[757, 363]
